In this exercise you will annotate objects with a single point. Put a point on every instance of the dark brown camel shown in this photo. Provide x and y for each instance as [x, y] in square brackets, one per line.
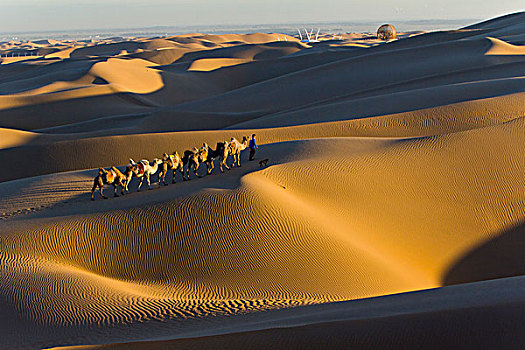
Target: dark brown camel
[114, 177]
[192, 159]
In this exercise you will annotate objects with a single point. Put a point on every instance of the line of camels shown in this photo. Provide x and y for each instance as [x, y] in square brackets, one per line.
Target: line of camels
[191, 159]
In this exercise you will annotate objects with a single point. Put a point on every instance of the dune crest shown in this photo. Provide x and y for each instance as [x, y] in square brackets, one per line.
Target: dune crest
[133, 75]
[500, 47]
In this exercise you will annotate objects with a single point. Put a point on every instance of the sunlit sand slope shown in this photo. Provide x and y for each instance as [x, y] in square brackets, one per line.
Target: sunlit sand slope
[336, 225]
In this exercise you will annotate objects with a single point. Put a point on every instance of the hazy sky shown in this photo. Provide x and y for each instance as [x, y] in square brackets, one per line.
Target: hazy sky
[42, 15]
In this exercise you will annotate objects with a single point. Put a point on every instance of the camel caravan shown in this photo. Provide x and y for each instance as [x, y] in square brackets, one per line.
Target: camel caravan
[190, 160]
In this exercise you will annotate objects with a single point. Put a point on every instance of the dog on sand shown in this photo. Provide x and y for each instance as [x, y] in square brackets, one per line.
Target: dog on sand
[263, 162]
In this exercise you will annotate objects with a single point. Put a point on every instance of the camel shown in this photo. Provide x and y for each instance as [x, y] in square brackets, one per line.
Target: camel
[223, 150]
[114, 177]
[130, 171]
[193, 158]
[235, 149]
[145, 170]
[170, 162]
[212, 154]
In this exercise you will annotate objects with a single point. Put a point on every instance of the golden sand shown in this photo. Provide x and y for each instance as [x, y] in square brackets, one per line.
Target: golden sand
[393, 168]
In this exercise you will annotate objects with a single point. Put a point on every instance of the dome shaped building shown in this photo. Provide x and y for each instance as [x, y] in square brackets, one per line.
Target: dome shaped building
[387, 32]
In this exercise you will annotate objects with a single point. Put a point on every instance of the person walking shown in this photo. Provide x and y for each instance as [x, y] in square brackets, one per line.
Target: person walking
[253, 147]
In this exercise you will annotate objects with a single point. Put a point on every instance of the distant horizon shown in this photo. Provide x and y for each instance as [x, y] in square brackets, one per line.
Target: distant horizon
[22, 16]
[360, 26]
[254, 25]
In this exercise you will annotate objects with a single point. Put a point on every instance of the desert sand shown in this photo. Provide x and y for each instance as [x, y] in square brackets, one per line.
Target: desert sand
[391, 212]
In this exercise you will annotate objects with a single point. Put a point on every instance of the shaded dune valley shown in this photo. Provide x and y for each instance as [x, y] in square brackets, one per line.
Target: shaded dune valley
[390, 212]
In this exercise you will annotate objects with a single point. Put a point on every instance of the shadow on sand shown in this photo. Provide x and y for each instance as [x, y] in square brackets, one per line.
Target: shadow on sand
[503, 256]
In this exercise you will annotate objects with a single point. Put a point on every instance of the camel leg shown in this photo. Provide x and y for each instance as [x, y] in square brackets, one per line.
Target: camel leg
[100, 187]
[173, 179]
[147, 179]
[161, 178]
[115, 190]
[93, 189]
[98, 183]
[210, 167]
[195, 168]
[140, 184]
[223, 163]
[102, 194]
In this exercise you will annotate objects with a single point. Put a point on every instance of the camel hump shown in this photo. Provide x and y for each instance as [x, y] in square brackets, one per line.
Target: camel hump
[118, 172]
[110, 176]
[141, 168]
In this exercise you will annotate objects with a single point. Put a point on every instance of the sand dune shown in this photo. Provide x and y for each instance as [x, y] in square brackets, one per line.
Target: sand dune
[12, 138]
[103, 78]
[394, 168]
[377, 322]
[478, 62]
[302, 250]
